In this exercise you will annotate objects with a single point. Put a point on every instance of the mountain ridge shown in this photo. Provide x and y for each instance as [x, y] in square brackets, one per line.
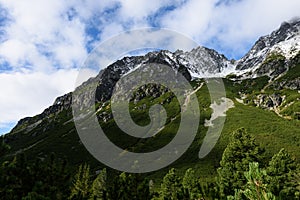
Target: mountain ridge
[266, 105]
[200, 62]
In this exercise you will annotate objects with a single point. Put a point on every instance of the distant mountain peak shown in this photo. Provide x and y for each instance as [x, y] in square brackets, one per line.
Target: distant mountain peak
[284, 41]
[201, 62]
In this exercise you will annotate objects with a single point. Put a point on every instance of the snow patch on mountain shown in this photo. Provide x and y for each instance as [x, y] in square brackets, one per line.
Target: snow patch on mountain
[285, 41]
[288, 48]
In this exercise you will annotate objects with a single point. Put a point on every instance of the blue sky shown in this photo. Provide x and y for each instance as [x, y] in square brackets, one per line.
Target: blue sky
[43, 43]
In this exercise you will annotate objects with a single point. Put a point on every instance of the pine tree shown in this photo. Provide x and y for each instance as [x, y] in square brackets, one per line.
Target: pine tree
[43, 179]
[210, 190]
[191, 185]
[81, 184]
[50, 178]
[282, 170]
[171, 187]
[256, 187]
[99, 186]
[122, 187]
[143, 191]
[241, 150]
[129, 186]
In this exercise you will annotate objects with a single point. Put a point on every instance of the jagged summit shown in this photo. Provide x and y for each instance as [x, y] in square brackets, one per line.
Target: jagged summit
[200, 62]
[204, 62]
[284, 41]
[270, 56]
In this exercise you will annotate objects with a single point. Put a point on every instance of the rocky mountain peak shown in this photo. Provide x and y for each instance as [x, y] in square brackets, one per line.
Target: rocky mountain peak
[284, 41]
[286, 31]
[267, 57]
[204, 62]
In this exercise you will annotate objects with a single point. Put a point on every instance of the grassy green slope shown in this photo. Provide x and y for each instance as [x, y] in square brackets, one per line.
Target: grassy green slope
[270, 130]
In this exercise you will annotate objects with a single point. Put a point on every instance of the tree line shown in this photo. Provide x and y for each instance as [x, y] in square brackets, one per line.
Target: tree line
[242, 174]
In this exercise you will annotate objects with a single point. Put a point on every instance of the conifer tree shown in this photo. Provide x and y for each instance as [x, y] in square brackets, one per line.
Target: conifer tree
[129, 186]
[241, 150]
[46, 179]
[282, 171]
[256, 187]
[81, 187]
[171, 187]
[99, 186]
[191, 185]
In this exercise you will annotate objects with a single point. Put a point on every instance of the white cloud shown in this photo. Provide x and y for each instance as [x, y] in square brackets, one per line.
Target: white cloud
[192, 18]
[20, 54]
[249, 19]
[26, 94]
[141, 9]
[231, 27]
[43, 41]
[38, 28]
[57, 28]
[111, 30]
[86, 9]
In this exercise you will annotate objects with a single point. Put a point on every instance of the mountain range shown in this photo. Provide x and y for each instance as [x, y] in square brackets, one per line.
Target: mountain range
[264, 86]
